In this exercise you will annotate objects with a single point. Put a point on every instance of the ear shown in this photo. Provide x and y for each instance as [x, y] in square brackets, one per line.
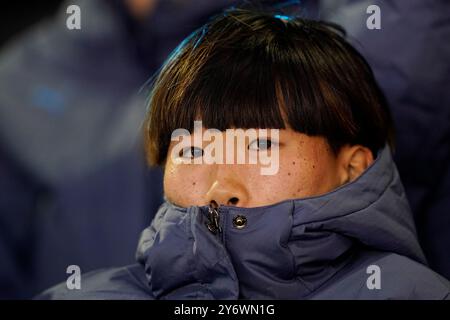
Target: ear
[352, 161]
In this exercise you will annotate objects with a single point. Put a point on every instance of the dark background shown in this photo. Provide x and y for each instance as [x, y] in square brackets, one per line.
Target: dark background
[17, 16]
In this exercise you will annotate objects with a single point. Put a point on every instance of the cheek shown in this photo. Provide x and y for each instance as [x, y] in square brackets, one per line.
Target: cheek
[185, 185]
[288, 183]
[324, 175]
[298, 177]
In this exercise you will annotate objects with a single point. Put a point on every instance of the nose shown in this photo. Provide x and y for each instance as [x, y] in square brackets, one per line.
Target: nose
[229, 192]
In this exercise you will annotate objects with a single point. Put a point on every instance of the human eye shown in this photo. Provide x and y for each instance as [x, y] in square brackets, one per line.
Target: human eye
[191, 152]
[262, 144]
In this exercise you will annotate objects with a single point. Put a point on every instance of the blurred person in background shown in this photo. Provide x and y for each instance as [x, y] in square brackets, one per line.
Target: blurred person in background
[74, 189]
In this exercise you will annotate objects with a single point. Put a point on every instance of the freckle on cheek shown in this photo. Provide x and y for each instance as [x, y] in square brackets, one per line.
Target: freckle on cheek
[289, 173]
[293, 162]
[193, 183]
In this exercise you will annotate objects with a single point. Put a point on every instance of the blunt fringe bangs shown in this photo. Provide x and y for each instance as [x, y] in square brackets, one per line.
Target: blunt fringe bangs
[250, 69]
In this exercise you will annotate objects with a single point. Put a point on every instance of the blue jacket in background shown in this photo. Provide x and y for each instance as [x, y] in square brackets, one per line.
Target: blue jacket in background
[323, 247]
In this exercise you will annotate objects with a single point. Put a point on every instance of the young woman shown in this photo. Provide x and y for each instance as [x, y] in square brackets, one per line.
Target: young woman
[331, 221]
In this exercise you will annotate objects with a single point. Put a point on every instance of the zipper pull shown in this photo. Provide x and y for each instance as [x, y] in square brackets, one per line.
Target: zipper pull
[213, 223]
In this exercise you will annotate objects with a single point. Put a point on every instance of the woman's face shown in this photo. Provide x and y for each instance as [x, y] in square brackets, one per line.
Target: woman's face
[307, 167]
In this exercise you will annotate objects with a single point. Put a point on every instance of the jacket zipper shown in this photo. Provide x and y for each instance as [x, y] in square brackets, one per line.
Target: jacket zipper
[213, 223]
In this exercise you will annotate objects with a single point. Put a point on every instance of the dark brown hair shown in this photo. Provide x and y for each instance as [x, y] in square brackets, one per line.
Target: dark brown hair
[252, 69]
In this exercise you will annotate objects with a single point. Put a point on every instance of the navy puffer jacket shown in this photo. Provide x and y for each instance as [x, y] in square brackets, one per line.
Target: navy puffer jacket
[323, 247]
